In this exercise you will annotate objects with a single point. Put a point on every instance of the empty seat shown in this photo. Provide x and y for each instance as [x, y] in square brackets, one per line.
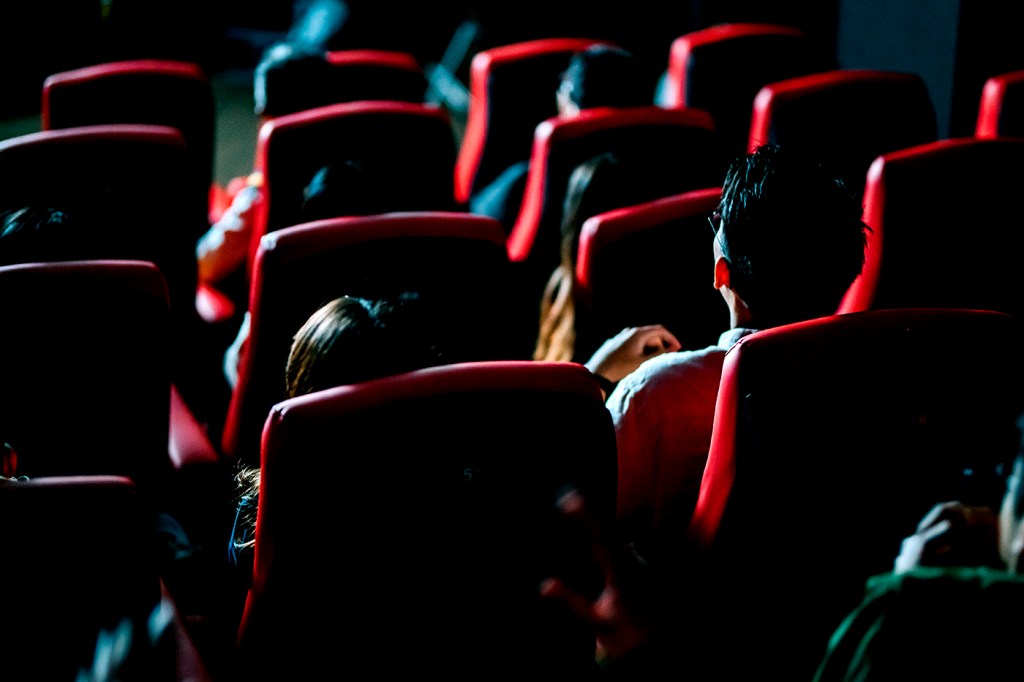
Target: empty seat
[846, 118]
[721, 68]
[931, 245]
[441, 486]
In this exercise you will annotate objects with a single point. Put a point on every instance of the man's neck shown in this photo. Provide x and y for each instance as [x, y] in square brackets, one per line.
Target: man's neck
[739, 315]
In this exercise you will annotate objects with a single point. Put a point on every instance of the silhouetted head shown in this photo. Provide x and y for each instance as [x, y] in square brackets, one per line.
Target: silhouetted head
[352, 339]
[792, 235]
[32, 234]
[605, 76]
[289, 78]
[346, 188]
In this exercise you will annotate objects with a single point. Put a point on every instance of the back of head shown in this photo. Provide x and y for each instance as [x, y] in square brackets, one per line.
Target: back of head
[35, 234]
[605, 182]
[347, 188]
[290, 78]
[352, 339]
[606, 76]
[792, 234]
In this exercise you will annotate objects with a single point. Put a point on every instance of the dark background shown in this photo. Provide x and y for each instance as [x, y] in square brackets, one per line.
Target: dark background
[953, 45]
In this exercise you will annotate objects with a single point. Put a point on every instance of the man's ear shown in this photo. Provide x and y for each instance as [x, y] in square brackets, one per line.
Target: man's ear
[722, 275]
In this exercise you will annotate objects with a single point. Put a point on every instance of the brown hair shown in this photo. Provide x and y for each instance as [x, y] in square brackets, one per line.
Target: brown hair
[352, 339]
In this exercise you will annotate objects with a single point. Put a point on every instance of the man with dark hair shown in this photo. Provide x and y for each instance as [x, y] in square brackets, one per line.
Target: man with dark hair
[788, 242]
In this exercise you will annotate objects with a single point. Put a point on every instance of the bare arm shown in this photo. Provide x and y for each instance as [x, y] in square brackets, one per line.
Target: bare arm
[623, 353]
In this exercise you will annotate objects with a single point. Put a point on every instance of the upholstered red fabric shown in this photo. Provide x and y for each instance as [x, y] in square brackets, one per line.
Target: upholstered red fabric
[846, 117]
[932, 246]
[433, 493]
[1001, 106]
[832, 438]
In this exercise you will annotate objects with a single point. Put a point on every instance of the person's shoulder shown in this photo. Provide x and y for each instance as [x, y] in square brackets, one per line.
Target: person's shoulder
[925, 580]
[683, 361]
[913, 625]
[668, 371]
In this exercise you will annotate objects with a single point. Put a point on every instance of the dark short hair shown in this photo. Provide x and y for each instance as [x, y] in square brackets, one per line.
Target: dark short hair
[31, 233]
[793, 235]
[289, 79]
[607, 76]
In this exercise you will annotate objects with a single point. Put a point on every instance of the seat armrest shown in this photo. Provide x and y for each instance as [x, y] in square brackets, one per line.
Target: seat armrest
[188, 444]
[212, 304]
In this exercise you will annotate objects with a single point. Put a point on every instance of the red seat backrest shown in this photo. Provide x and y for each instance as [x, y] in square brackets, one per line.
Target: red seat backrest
[87, 557]
[832, 438]
[930, 246]
[88, 374]
[847, 117]
[443, 496]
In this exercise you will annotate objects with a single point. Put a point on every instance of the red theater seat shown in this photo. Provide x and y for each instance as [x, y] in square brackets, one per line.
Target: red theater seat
[832, 438]
[432, 492]
[931, 247]
[847, 117]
